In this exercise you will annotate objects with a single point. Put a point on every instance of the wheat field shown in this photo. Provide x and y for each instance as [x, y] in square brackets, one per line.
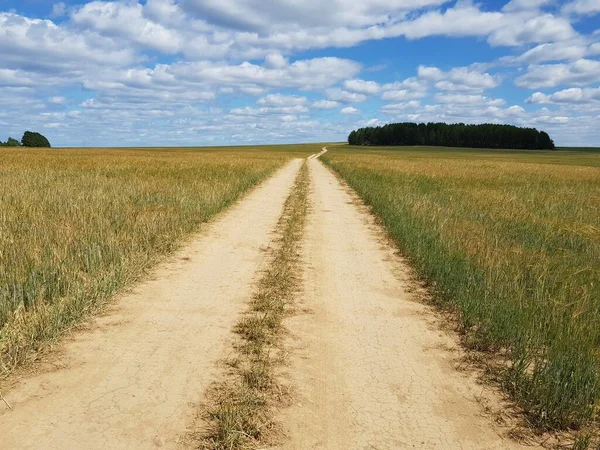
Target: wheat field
[78, 225]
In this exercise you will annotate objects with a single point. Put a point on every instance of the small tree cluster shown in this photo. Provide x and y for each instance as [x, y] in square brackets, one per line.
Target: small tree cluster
[454, 135]
[11, 142]
[33, 139]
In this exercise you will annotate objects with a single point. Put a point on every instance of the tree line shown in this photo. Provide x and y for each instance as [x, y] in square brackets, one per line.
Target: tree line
[453, 135]
[29, 139]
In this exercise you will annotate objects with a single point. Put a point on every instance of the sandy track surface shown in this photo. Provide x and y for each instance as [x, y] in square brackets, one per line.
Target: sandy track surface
[371, 369]
[128, 381]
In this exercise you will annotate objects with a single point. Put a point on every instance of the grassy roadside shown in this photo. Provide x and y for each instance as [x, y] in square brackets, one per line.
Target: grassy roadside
[510, 241]
[241, 411]
[77, 226]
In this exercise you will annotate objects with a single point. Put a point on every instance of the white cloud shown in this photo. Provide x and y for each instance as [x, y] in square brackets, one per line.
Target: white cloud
[520, 5]
[410, 87]
[580, 72]
[571, 95]
[57, 100]
[282, 15]
[127, 20]
[402, 106]
[276, 61]
[325, 104]
[282, 100]
[544, 28]
[161, 70]
[501, 28]
[430, 73]
[283, 111]
[349, 110]
[252, 29]
[555, 51]
[401, 95]
[340, 95]
[582, 7]
[318, 73]
[362, 86]
[23, 40]
[458, 79]
[468, 99]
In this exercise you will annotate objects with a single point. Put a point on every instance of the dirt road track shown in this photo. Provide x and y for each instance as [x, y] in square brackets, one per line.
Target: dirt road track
[370, 370]
[369, 367]
[127, 383]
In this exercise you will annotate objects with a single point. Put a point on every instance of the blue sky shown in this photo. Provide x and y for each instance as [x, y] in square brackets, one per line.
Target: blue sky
[219, 72]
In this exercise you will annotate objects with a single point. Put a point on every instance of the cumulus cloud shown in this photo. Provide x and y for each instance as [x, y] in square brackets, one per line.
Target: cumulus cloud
[458, 79]
[257, 28]
[544, 28]
[362, 86]
[339, 95]
[582, 7]
[571, 95]
[172, 68]
[53, 48]
[281, 15]
[127, 20]
[555, 51]
[402, 106]
[520, 5]
[325, 104]
[502, 28]
[282, 100]
[580, 72]
[349, 110]
[468, 99]
[401, 95]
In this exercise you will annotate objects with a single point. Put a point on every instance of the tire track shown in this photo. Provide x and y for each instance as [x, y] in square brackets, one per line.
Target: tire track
[370, 369]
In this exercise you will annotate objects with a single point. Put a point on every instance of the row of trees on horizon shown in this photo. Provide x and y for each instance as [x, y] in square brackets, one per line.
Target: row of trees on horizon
[453, 135]
[29, 139]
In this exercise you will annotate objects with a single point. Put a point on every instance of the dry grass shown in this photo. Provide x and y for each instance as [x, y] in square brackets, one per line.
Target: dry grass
[241, 411]
[511, 242]
[76, 226]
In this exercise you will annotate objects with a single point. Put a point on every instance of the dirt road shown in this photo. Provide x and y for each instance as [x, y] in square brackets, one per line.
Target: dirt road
[127, 383]
[370, 369]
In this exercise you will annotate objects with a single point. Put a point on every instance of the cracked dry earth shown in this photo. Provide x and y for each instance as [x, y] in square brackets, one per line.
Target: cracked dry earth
[370, 368]
[128, 381]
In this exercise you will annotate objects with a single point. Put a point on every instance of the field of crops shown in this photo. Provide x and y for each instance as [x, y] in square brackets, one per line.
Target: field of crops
[510, 240]
[78, 225]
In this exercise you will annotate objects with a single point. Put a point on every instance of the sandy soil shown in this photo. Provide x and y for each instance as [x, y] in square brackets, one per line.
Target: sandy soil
[127, 382]
[370, 366]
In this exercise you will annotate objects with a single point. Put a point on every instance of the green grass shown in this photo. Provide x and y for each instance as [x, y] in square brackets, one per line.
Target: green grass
[510, 240]
[77, 226]
[242, 407]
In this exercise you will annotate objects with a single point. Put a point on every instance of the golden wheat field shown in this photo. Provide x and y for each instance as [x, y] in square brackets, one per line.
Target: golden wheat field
[77, 225]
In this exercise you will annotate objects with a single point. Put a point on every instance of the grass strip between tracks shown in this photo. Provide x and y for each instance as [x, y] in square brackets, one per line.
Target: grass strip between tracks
[241, 408]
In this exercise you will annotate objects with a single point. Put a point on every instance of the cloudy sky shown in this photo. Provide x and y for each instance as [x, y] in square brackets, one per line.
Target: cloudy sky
[217, 72]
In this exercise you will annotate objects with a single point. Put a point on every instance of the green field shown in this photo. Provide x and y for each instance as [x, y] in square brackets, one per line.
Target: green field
[78, 225]
[510, 241]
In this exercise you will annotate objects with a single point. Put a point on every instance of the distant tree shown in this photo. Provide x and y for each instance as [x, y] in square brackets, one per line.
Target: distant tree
[456, 135]
[12, 142]
[33, 139]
